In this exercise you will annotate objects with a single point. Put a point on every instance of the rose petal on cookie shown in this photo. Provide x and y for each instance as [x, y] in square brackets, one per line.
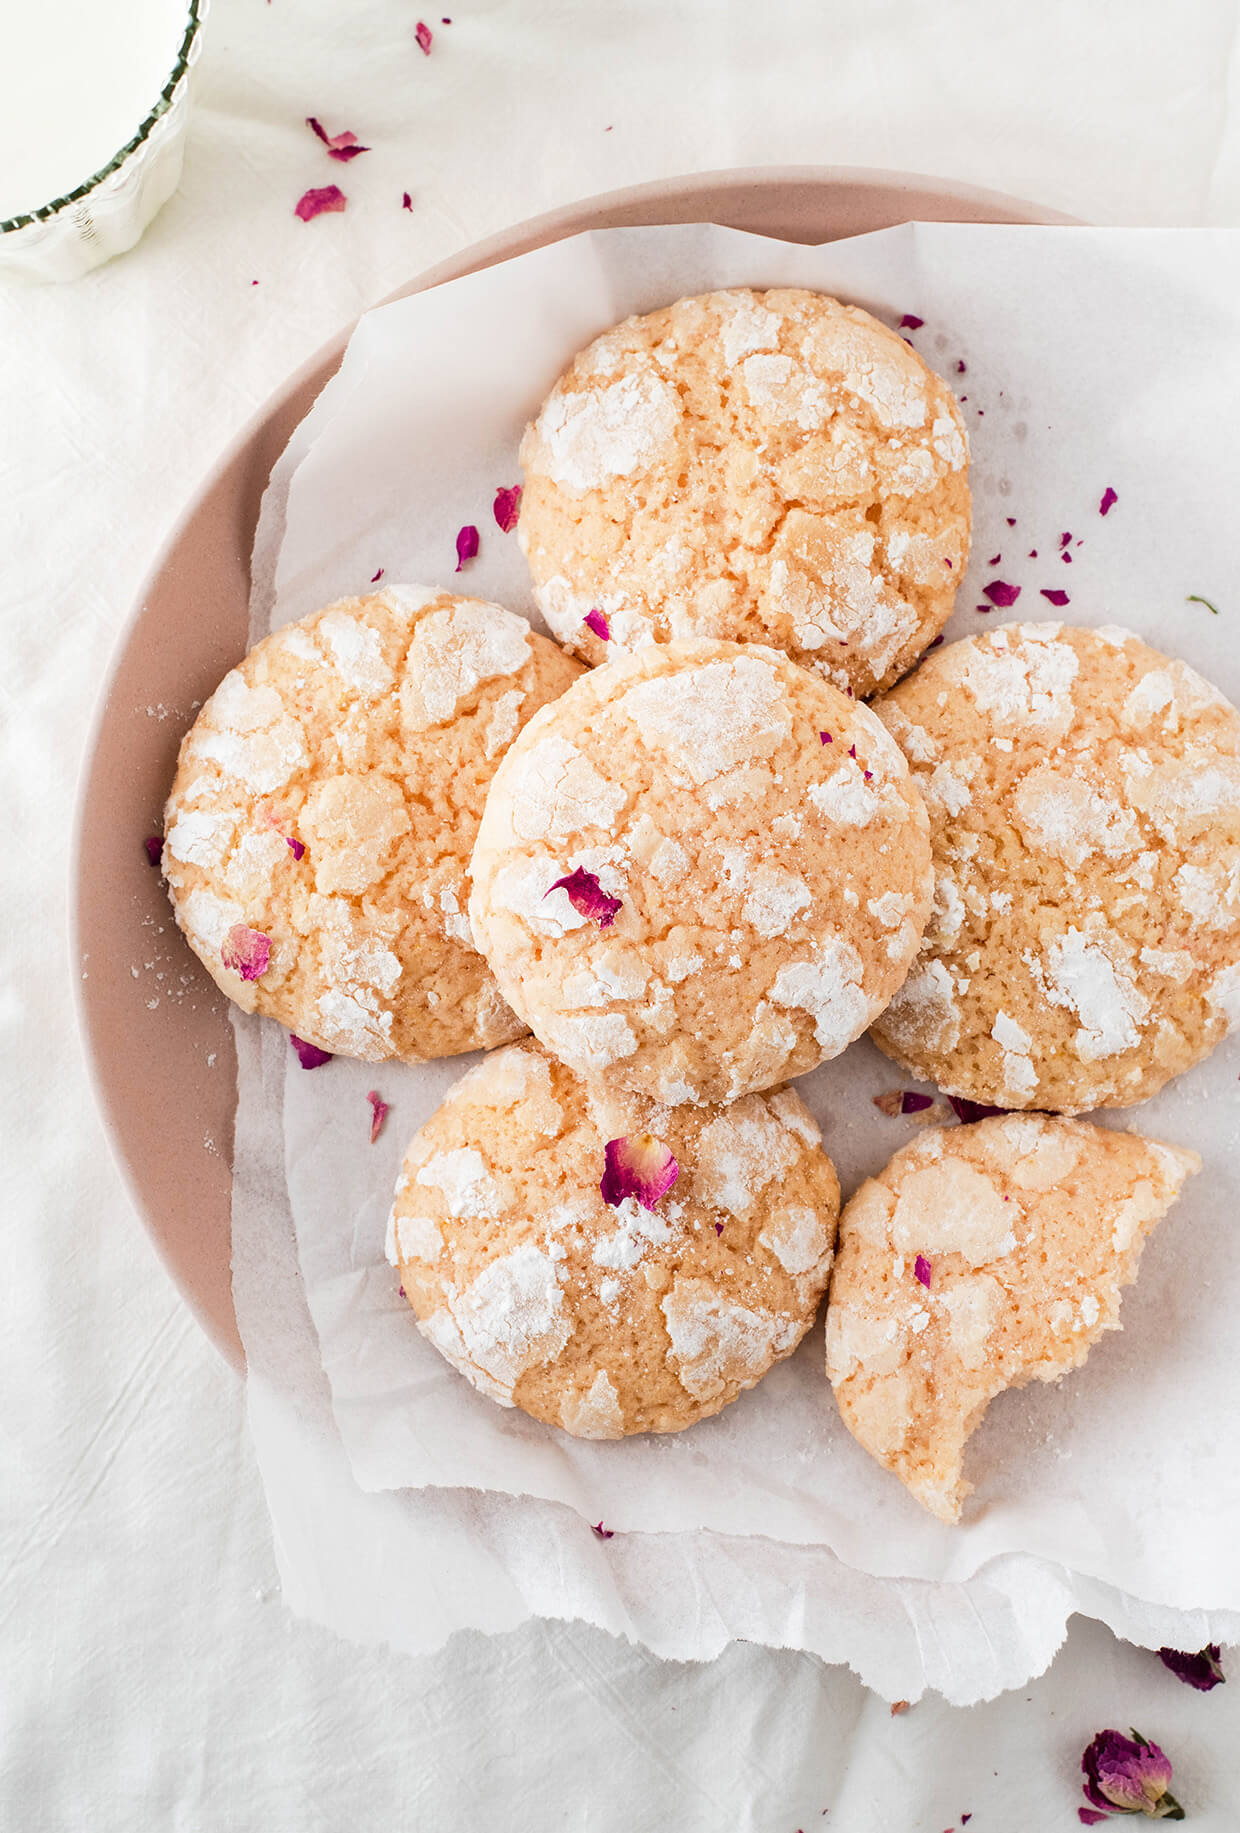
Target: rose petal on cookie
[913, 1103]
[1066, 538]
[1204, 1670]
[406, 202]
[637, 1165]
[969, 1111]
[1000, 594]
[466, 545]
[910, 322]
[296, 847]
[1109, 500]
[594, 620]
[422, 32]
[603, 1533]
[154, 845]
[825, 738]
[309, 1055]
[507, 507]
[923, 1269]
[246, 952]
[960, 370]
[319, 200]
[376, 577]
[995, 561]
[1054, 596]
[379, 1111]
[587, 897]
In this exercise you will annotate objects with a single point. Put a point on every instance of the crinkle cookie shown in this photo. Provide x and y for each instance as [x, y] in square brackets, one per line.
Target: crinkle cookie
[983, 1257]
[700, 871]
[326, 799]
[608, 1265]
[1084, 798]
[771, 467]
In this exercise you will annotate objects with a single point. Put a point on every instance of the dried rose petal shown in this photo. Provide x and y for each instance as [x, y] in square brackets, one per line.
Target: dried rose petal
[1128, 1774]
[340, 146]
[466, 545]
[1010, 520]
[309, 1055]
[908, 1103]
[910, 322]
[406, 202]
[376, 577]
[594, 620]
[968, 1111]
[938, 639]
[946, 561]
[246, 952]
[1109, 500]
[604, 1533]
[422, 32]
[718, 1228]
[1055, 597]
[401, 1293]
[960, 369]
[318, 202]
[922, 1268]
[587, 897]
[1001, 594]
[296, 847]
[379, 1111]
[825, 738]
[638, 1165]
[154, 844]
[1204, 1670]
[995, 561]
[507, 507]
[1065, 540]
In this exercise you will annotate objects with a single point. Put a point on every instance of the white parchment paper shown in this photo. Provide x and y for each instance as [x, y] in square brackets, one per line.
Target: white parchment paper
[1090, 358]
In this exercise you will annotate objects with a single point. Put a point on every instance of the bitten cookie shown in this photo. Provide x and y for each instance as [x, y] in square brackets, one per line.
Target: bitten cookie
[607, 1265]
[981, 1258]
[1084, 798]
[701, 870]
[772, 467]
[325, 803]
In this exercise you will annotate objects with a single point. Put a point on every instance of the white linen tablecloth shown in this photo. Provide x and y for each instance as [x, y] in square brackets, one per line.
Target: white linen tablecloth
[150, 1677]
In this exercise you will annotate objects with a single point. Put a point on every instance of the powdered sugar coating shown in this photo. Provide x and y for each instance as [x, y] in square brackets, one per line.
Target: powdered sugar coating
[1084, 800]
[368, 732]
[600, 1320]
[761, 923]
[772, 467]
[1031, 1227]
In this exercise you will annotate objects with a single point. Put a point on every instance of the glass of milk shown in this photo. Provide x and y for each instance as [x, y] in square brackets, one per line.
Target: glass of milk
[93, 108]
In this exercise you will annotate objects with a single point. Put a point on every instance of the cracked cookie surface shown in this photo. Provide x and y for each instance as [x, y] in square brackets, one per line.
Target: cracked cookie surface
[981, 1258]
[759, 866]
[771, 467]
[325, 802]
[608, 1320]
[1084, 799]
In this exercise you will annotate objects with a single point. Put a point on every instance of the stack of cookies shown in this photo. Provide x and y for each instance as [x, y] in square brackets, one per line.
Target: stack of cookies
[669, 862]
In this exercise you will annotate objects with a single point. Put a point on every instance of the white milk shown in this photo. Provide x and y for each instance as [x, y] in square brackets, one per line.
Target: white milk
[77, 80]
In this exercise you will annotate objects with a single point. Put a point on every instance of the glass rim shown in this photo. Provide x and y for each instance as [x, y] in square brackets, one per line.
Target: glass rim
[45, 212]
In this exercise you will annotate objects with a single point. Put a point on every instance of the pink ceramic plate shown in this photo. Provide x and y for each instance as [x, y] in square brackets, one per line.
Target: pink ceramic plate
[158, 1038]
